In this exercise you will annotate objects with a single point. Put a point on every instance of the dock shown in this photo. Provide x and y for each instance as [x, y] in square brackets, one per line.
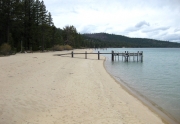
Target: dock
[126, 56]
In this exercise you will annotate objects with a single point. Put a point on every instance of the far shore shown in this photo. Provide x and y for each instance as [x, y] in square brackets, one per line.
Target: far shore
[45, 89]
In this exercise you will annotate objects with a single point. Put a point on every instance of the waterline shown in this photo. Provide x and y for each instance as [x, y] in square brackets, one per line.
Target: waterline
[157, 78]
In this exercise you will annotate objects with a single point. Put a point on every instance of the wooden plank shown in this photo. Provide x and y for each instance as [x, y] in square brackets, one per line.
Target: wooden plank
[126, 55]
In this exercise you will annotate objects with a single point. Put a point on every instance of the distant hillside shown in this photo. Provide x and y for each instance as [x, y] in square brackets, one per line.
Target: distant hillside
[112, 40]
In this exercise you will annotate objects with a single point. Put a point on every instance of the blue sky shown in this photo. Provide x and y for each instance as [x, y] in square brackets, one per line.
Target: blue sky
[156, 19]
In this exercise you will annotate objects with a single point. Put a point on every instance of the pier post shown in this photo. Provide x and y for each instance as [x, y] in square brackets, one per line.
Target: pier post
[138, 56]
[141, 56]
[86, 55]
[122, 56]
[113, 56]
[118, 56]
[72, 54]
[98, 55]
[127, 56]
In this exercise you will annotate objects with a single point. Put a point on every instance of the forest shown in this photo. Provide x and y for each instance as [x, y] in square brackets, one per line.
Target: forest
[118, 41]
[26, 25]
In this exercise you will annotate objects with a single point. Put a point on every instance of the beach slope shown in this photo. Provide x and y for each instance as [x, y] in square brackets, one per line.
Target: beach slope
[40, 88]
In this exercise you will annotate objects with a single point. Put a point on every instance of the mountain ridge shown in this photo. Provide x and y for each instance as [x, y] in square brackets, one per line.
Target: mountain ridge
[114, 40]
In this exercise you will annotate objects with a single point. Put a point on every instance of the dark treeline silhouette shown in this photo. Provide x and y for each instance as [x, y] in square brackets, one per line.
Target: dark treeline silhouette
[112, 40]
[27, 25]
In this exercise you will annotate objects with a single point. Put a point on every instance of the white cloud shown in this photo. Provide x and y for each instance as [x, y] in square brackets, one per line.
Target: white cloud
[149, 19]
[155, 29]
[142, 23]
[177, 30]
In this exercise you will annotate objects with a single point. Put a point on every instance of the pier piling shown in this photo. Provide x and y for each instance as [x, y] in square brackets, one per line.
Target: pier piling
[72, 54]
[126, 56]
[113, 56]
[98, 55]
[86, 55]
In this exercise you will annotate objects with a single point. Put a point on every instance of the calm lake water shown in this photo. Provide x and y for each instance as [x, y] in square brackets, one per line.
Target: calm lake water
[157, 78]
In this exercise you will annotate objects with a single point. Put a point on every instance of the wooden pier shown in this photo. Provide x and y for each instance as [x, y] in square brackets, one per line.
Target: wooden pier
[126, 56]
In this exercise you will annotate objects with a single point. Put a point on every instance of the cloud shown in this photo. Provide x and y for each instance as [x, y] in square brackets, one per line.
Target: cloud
[140, 25]
[143, 23]
[89, 29]
[108, 29]
[149, 19]
[177, 30]
[132, 29]
[155, 29]
[171, 37]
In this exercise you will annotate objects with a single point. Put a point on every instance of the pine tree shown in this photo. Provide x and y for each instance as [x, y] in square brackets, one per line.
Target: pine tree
[43, 22]
[69, 33]
[6, 12]
[49, 20]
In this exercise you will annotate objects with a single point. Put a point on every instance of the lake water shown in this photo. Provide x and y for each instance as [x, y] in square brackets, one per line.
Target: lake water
[157, 78]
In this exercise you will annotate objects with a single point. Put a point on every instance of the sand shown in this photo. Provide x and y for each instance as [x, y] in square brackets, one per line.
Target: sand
[39, 88]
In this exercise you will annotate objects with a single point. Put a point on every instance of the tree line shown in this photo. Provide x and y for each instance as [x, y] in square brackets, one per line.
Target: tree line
[27, 25]
[103, 40]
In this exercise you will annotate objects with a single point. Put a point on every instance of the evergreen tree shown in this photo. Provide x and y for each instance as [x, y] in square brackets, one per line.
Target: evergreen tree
[50, 20]
[43, 22]
[69, 33]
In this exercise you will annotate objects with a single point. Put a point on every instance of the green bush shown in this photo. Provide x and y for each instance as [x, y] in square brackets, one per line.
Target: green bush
[5, 49]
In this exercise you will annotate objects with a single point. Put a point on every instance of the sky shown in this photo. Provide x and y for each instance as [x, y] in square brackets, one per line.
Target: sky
[155, 19]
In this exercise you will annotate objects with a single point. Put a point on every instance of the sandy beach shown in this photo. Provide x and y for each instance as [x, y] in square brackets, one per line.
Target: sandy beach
[40, 88]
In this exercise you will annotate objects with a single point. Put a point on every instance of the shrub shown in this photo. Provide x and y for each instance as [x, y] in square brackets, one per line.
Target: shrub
[67, 47]
[61, 48]
[5, 49]
[58, 48]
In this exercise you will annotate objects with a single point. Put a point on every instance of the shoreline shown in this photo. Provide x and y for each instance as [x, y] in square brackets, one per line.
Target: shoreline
[165, 117]
[43, 88]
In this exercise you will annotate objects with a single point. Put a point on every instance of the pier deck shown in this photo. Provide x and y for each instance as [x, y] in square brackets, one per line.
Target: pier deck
[125, 56]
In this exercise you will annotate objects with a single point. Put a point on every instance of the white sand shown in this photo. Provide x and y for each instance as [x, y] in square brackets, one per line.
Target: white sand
[39, 88]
